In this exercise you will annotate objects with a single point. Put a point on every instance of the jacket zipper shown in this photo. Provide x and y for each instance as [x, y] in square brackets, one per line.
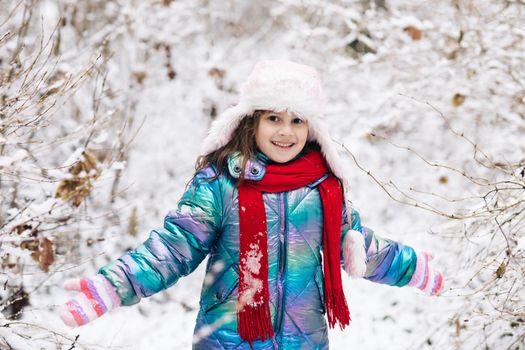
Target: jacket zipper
[282, 262]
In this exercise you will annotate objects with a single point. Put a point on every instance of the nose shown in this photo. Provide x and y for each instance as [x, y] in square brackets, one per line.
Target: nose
[286, 129]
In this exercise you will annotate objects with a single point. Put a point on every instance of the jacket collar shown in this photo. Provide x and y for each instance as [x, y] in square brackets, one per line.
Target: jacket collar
[255, 167]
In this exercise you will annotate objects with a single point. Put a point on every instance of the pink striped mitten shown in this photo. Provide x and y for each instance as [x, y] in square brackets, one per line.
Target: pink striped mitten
[426, 278]
[97, 296]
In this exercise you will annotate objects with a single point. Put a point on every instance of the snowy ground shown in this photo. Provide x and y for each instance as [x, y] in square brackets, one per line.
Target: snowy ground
[383, 93]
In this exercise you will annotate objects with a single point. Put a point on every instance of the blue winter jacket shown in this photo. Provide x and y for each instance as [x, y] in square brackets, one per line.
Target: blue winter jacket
[206, 223]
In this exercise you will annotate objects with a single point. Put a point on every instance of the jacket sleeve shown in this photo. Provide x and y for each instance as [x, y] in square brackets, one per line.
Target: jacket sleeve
[387, 261]
[172, 251]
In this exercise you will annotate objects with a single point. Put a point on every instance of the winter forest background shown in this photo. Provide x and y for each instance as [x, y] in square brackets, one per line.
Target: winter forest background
[104, 104]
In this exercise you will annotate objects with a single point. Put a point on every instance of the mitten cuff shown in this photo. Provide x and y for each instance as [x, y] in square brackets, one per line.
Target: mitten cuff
[354, 254]
[420, 277]
[425, 278]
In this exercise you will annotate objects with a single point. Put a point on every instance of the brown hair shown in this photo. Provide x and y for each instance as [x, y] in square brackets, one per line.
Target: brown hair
[243, 141]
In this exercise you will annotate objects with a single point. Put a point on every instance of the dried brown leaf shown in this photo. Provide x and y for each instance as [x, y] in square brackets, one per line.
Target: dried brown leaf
[501, 270]
[458, 99]
[133, 222]
[414, 32]
[139, 77]
[217, 73]
[41, 251]
[16, 302]
[443, 179]
[47, 257]
[30, 244]
[85, 172]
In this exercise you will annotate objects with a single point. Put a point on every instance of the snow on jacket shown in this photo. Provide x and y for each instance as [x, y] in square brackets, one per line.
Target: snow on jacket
[206, 223]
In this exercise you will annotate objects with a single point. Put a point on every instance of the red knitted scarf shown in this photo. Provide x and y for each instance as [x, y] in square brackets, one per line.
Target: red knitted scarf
[253, 309]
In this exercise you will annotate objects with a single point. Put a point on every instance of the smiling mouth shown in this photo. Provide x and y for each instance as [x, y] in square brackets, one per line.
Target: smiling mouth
[283, 145]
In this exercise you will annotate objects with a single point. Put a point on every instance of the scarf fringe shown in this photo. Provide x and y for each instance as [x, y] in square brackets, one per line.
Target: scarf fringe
[255, 322]
[337, 311]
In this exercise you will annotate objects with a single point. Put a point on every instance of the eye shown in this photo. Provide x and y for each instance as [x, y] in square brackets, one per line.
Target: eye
[273, 118]
[298, 121]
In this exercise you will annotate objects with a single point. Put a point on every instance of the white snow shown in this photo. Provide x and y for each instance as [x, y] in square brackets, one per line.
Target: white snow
[252, 281]
[403, 93]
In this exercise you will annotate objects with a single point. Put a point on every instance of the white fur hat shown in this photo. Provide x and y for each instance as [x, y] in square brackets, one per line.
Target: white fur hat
[280, 85]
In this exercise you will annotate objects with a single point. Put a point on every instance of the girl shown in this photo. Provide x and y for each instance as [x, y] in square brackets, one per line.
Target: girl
[266, 199]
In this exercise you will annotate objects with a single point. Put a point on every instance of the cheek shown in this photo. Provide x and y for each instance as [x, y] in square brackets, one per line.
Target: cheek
[260, 136]
[263, 133]
[303, 135]
[257, 140]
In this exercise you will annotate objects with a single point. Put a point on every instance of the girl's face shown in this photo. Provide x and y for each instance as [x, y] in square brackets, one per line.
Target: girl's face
[281, 135]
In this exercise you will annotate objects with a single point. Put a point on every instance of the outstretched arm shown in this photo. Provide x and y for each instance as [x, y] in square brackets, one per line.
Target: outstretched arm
[169, 253]
[174, 250]
[387, 261]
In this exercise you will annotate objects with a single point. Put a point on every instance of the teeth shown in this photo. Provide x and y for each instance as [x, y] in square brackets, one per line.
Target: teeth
[280, 144]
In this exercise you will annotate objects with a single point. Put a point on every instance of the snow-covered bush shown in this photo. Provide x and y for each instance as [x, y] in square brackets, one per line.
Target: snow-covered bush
[426, 98]
[63, 137]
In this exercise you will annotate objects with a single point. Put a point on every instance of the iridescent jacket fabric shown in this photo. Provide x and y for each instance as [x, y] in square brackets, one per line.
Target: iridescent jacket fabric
[206, 224]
